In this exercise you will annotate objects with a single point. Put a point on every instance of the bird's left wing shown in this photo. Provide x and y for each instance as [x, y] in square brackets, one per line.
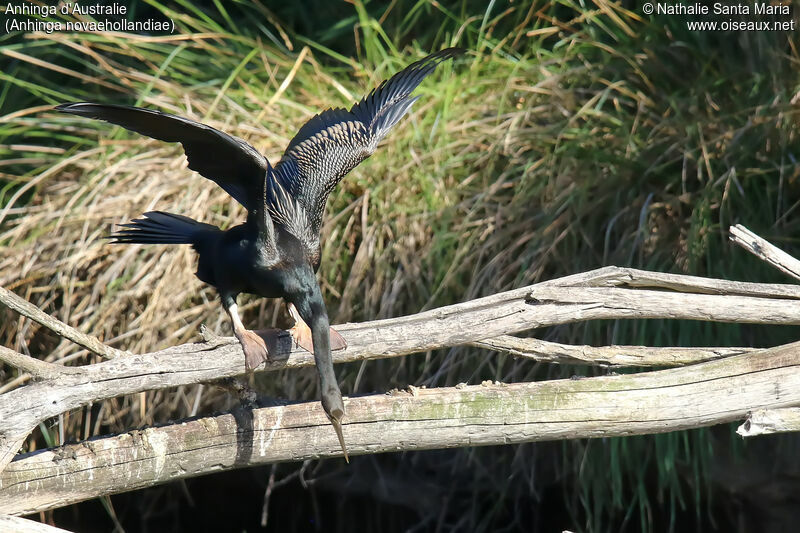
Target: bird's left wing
[332, 143]
[263, 220]
[229, 161]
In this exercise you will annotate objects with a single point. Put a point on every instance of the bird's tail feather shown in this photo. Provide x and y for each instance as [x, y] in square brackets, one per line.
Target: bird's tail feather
[158, 227]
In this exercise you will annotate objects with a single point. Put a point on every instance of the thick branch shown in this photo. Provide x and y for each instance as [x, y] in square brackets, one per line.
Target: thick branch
[572, 304]
[612, 356]
[704, 394]
[634, 278]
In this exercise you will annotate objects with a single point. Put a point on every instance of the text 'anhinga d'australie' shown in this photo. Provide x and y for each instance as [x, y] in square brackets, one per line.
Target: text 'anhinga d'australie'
[276, 252]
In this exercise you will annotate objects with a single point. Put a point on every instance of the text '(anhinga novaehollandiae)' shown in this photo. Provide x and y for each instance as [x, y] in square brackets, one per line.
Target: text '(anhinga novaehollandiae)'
[276, 252]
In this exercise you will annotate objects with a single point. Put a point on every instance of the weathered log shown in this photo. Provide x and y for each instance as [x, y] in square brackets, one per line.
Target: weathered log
[700, 395]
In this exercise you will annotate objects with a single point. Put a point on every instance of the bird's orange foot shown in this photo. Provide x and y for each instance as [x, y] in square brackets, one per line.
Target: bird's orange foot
[254, 348]
[337, 341]
[301, 334]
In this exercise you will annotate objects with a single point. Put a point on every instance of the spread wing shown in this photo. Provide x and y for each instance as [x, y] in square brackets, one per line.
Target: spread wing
[228, 161]
[332, 143]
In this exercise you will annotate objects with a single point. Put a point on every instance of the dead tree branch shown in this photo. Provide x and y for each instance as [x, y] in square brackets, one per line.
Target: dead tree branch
[765, 250]
[546, 304]
[35, 367]
[491, 413]
[610, 356]
[709, 392]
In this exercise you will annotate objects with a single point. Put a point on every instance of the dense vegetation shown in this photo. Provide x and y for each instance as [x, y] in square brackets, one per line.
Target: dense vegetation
[575, 135]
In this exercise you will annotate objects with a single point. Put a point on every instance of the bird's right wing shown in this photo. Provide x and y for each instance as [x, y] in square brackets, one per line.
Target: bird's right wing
[226, 160]
[332, 143]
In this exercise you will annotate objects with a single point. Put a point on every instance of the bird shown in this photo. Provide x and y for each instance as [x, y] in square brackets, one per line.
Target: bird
[275, 253]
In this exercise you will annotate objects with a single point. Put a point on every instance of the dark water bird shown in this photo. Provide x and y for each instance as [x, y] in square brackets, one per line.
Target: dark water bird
[276, 252]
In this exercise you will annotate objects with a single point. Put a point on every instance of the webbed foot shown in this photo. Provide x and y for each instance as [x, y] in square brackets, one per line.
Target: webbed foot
[301, 334]
[254, 348]
[337, 341]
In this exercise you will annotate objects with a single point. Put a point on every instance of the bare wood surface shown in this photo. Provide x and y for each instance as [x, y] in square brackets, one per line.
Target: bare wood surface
[610, 356]
[708, 393]
[15, 524]
[769, 421]
[765, 250]
[592, 303]
[553, 302]
[613, 276]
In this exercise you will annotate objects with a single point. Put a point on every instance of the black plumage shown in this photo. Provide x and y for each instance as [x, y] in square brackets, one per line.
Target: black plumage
[276, 252]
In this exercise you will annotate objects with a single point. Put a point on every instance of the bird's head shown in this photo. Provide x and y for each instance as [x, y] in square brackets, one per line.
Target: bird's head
[334, 408]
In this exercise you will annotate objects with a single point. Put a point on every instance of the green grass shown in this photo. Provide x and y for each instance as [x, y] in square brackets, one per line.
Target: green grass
[553, 149]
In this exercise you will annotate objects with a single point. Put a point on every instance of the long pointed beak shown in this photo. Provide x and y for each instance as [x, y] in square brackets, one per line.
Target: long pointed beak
[337, 426]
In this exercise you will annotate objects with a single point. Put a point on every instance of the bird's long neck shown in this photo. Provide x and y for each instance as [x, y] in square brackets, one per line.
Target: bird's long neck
[320, 335]
[311, 308]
